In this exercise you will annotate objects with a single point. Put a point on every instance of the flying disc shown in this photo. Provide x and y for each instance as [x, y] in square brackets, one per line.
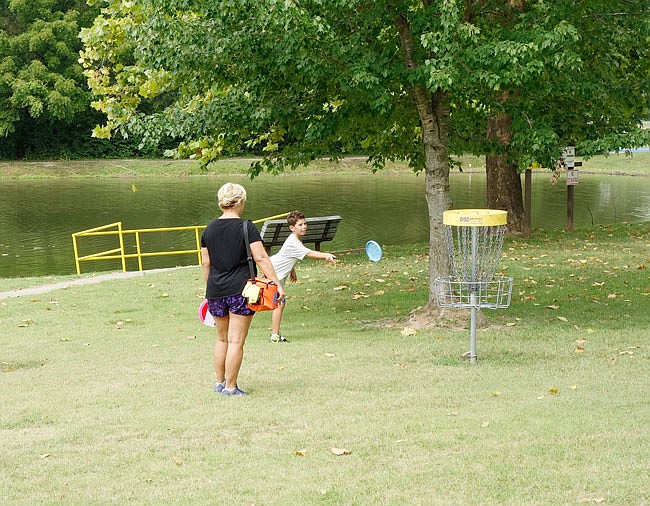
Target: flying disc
[204, 314]
[373, 250]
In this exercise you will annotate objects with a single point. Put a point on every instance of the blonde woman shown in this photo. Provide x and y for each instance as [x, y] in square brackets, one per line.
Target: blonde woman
[225, 271]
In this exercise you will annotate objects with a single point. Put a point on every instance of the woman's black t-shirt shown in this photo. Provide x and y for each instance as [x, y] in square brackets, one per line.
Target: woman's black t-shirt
[229, 269]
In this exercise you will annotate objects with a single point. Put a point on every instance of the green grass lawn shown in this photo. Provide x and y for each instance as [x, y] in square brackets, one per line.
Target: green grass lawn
[107, 389]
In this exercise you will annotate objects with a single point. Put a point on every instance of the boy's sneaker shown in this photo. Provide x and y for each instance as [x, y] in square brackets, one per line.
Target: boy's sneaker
[218, 387]
[278, 338]
[233, 391]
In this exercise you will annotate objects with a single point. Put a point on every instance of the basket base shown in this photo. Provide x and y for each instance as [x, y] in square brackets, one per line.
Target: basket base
[453, 293]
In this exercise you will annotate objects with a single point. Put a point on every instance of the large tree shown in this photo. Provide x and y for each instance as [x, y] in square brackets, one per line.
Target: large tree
[592, 95]
[42, 86]
[408, 80]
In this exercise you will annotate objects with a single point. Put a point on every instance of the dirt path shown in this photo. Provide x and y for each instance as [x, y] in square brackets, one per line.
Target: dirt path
[37, 290]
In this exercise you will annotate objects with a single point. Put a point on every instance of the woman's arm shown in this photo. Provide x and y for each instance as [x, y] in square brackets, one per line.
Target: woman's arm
[205, 263]
[262, 259]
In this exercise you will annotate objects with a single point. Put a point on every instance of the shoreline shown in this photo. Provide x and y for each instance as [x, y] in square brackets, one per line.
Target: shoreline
[636, 164]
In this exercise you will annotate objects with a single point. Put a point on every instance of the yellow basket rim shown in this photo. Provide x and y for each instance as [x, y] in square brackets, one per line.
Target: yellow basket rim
[474, 217]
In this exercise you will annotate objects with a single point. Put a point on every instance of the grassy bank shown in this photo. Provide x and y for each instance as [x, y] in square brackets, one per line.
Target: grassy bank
[107, 398]
[637, 164]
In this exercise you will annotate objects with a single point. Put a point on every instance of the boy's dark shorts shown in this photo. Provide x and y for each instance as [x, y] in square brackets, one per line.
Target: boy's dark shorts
[235, 304]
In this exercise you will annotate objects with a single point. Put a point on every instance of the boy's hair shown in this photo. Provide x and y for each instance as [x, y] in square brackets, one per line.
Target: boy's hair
[294, 217]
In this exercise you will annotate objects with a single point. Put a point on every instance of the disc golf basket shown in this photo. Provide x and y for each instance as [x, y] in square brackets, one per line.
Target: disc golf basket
[474, 239]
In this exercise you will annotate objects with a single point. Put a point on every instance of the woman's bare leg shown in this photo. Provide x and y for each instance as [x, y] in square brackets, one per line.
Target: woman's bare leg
[221, 347]
[237, 332]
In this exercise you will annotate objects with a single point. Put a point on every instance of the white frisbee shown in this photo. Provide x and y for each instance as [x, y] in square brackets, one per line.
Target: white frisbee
[373, 250]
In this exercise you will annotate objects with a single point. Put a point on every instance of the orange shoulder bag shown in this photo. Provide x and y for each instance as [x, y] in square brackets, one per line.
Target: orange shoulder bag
[262, 293]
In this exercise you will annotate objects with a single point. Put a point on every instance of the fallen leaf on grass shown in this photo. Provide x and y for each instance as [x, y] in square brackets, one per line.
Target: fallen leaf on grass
[340, 451]
[177, 460]
[359, 295]
[301, 453]
[485, 425]
[554, 391]
[339, 288]
[611, 296]
[552, 307]
[163, 295]
[408, 331]
[44, 455]
[191, 338]
[330, 355]
[563, 318]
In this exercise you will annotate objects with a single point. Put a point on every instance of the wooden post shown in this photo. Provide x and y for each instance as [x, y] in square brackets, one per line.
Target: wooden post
[568, 159]
[569, 207]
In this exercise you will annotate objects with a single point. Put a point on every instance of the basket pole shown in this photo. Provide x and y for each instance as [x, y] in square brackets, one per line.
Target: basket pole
[473, 298]
[472, 331]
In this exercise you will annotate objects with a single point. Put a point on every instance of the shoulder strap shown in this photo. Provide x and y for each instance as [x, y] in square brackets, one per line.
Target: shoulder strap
[249, 256]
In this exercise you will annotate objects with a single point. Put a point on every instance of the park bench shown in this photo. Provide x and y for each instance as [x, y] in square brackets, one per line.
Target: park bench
[319, 229]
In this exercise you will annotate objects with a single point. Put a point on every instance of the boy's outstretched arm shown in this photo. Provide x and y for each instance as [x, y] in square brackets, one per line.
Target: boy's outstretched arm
[323, 256]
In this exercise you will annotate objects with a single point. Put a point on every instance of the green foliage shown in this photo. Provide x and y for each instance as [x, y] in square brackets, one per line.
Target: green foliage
[46, 102]
[40, 77]
[294, 81]
[570, 74]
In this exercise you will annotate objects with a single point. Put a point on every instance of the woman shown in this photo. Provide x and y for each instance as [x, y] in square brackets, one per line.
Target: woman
[225, 270]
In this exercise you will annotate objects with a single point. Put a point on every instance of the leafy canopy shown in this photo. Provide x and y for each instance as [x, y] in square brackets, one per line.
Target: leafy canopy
[299, 79]
[40, 76]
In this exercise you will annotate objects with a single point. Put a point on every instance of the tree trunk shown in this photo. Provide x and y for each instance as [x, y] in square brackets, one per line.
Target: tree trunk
[434, 113]
[435, 135]
[503, 181]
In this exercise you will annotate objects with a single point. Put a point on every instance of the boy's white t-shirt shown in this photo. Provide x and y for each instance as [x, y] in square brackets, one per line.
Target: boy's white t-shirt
[290, 253]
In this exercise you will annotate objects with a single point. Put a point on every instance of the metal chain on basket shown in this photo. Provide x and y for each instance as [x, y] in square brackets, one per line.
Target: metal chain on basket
[479, 265]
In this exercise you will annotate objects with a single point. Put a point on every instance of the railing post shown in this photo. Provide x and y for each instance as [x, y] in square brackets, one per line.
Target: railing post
[119, 231]
[138, 250]
[76, 253]
[198, 244]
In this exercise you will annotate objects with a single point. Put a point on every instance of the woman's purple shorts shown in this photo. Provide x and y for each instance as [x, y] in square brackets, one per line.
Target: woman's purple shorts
[235, 304]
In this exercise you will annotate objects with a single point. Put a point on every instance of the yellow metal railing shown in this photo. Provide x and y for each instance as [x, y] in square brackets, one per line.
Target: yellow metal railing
[119, 253]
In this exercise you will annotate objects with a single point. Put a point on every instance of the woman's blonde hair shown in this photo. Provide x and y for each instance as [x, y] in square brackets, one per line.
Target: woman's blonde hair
[231, 194]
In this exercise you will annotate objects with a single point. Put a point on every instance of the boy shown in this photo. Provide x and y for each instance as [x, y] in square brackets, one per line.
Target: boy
[285, 260]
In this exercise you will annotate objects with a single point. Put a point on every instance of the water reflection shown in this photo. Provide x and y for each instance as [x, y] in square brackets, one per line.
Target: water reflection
[39, 216]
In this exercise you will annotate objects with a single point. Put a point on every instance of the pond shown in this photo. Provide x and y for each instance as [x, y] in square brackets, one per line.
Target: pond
[39, 216]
